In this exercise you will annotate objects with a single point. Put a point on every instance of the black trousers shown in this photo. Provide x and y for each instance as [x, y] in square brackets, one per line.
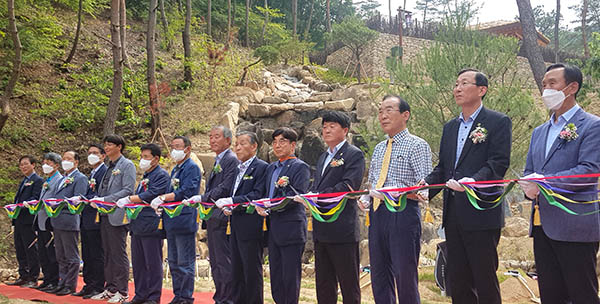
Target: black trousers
[116, 262]
[67, 255]
[27, 253]
[219, 253]
[337, 263]
[285, 265]
[146, 259]
[93, 259]
[47, 257]
[566, 270]
[246, 263]
[472, 264]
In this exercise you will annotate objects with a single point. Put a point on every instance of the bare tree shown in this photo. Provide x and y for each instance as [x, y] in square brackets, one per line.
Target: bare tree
[390, 13]
[328, 15]
[247, 39]
[16, 68]
[556, 30]
[150, 72]
[165, 24]
[115, 98]
[187, 48]
[584, 10]
[209, 17]
[294, 16]
[123, 33]
[229, 22]
[77, 31]
[264, 29]
[310, 14]
[530, 37]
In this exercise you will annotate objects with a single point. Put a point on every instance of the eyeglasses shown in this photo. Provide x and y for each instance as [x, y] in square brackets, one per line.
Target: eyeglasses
[463, 84]
[278, 142]
[388, 111]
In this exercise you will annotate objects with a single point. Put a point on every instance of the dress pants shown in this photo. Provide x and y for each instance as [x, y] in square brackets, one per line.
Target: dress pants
[47, 257]
[146, 258]
[285, 265]
[182, 263]
[394, 246]
[93, 259]
[27, 253]
[337, 262]
[566, 270]
[219, 253]
[67, 256]
[472, 264]
[116, 262]
[246, 263]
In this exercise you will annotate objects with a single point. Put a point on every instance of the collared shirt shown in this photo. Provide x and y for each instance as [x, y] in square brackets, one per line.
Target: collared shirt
[278, 167]
[62, 182]
[241, 171]
[219, 157]
[410, 162]
[96, 170]
[188, 176]
[25, 180]
[463, 131]
[331, 154]
[106, 178]
[556, 127]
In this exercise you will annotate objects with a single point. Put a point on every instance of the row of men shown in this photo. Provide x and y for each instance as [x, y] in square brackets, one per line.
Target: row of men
[474, 146]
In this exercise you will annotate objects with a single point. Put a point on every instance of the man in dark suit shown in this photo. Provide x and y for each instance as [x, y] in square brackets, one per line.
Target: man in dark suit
[247, 235]
[339, 169]
[181, 230]
[288, 176]
[92, 252]
[24, 235]
[146, 237]
[474, 147]
[66, 225]
[565, 246]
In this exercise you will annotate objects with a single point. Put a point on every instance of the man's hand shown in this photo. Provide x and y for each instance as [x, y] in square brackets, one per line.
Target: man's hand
[456, 185]
[193, 199]
[222, 202]
[100, 199]
[75, 199]
[530, 189]
[156, 202]
[261, 211]
[376, 194]
[423, 195]
[364, 201]
[227, 211]
[123, 201]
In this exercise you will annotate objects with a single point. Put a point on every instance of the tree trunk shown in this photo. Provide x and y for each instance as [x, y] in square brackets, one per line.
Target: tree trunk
[294, 16]
[151, 77]
[233, 13]
[77, 31]
[209, 18]
[247, 39]
[187, 49]
[123, 33]
[228, 22]
[390, 13]
[556, 30]
[425, 11]
[165, 24]
[328, 15]
[532, 49]
[16, 68]
[264, 29]
[584, 9]
[115, 98]
[310, 14]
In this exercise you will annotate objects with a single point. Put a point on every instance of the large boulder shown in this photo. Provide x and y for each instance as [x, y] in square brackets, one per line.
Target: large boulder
[278, 108]
[252, 84]
[259, 96]
[258, 110]
[297, 99]
[243, 101]
[312, 148]
[365, 109]
[340, 105]
[516, 227]
[308, 106]
[319, 96]
[287, 116]
[273, 99]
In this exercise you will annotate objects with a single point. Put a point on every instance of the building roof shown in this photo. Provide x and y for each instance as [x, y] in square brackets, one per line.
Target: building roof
[508, 28]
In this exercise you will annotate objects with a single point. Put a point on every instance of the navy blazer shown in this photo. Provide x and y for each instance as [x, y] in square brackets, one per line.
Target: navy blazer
[27, 193]
[65, 219]
[146, 223]
[288, 224]
[252, 186]
[346, 177]
[188, 174]
[487, 160]
[578, 156]
[88, 215]
[219, 185]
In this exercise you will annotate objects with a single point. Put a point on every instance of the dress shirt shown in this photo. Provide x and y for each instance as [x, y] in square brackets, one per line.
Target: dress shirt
[556, 127]
[463, 131]
[331, 154]
[241, 171]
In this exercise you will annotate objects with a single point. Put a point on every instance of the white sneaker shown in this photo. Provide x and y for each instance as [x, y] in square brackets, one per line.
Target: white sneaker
[105, 295]
[118, 298]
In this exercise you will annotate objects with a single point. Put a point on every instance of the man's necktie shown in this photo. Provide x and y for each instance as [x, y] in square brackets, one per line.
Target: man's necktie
[384, 171]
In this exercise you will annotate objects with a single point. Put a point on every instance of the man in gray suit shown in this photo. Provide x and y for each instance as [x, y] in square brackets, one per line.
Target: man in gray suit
[565, 245]
[66, 226]
[118, 182]
[45, 241]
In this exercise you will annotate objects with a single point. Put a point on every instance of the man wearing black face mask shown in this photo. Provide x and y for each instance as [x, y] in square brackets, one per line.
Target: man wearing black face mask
[565, 245]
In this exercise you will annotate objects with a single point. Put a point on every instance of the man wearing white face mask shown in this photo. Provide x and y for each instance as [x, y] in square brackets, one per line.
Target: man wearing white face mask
[565, 245]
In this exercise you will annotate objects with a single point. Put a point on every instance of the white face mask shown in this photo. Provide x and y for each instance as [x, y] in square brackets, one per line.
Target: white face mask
[553, 99]
[177, 155]
[67, 165]
[47, 169]
[145, 164]
[93, 159]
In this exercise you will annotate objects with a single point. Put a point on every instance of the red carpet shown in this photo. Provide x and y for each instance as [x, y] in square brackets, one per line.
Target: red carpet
[16, 292]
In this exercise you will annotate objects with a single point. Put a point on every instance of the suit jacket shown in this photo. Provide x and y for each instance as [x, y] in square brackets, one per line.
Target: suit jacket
[146, 223]
[121, 183]
[252, 187]
[579, 156]
[346, 177]
[88, 215]
[188, 174]
[65, 219]
[487, 160]
[27, 193]
[42, 216]
[220, 184]
[288, 224]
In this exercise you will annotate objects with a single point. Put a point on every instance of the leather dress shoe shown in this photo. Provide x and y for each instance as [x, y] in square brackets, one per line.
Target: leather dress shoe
[18, 282]
[47, 287]
[55, 290]
[91, 293]
[135, 301]
[30, 284]
[65, 291]
[85, 290]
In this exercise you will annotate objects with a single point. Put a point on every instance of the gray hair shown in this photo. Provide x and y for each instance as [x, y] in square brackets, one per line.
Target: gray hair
[53, 157]
[253, 137]
[226, 131]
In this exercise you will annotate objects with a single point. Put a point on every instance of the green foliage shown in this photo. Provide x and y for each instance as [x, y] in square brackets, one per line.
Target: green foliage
[352, 33]
[334, 76]
[268, 54]
[292, 49]
[372, 134]
[427, 84]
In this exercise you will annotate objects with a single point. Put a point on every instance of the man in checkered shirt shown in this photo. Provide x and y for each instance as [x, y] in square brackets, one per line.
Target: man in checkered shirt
[394, 237]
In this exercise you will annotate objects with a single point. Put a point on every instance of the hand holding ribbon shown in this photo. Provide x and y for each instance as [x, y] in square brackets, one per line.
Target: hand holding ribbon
[192, 200]
[530, 188]
[456, 185]
[123, 201]
[224, 202]
[156, 202]
[364, 201]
